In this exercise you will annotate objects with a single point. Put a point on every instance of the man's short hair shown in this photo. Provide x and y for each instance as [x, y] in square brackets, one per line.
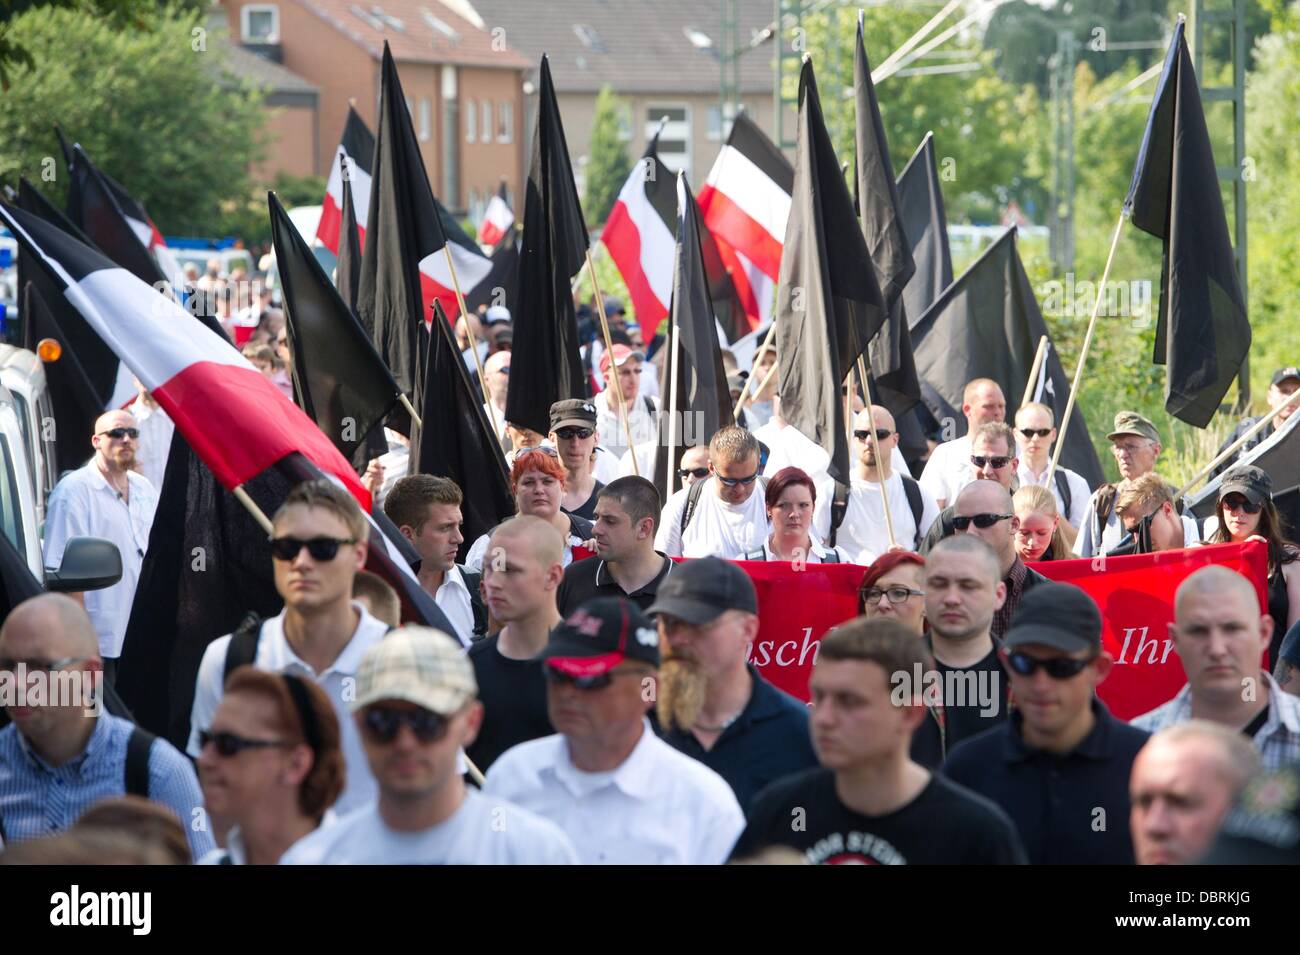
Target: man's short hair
[1038, 406]
[382, 598]
[973, 386]
[325, 495]
[1144, 494]
[733, 443]
[886, 643]
[972, 547]
[996, 431]
[635, 495]
[1239, 761]
[408, 502]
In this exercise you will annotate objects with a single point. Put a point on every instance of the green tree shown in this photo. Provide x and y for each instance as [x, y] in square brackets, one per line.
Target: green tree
[608, 164]
[157, 109]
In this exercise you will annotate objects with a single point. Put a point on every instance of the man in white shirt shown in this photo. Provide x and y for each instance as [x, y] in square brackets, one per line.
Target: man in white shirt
[1035, 435]
[106, 498]
[497, 372]
[318, 545]
[863, 535]
[621, 794]
[426, 511]
[415, 706]
[156, 430]
[948, 470]
[724, 516]
[759, 404]
[641, 411]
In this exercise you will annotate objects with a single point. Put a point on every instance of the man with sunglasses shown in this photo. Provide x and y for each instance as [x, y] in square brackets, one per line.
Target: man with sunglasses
[948, 468]
[722, 516]
[415, 708]
[1146, 511]
[318, 543]
[573, 429]
[1060, 766]
[694, 465]
[1035, 434]
[1284, 385]
[993, 458]
[622, 794]
[107, 498]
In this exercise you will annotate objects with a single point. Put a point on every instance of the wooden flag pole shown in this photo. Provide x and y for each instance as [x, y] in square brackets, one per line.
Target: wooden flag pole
[475, 773]
[410, 409]
[674, 358]
[746, 391]
[1064, 424]
[1034, 370]
[613, 368]
[875, 449]
[1231, 449]
[251, 506]
[473, 340]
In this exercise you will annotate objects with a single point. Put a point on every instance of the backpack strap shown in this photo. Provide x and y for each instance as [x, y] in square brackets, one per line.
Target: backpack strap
[1063, 486]
[912, 488]
[692, 502]
[476, 605]
[1106, 496]
[137, 762]
[242, 648]
[839, 507]
[831, 557]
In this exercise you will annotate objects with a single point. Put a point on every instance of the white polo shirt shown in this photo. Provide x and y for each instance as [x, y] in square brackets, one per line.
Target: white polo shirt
[948, 469]
[659, 807]
[863, 535]
[338, 682]
[84, 504]
[1079, 490]
[717, 529]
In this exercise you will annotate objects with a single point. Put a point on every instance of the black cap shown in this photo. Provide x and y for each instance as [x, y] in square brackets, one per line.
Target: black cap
[1249, 481]
[601, 634]
[1282, 374]
[699, 591]
[573, 413]
[1055, 615]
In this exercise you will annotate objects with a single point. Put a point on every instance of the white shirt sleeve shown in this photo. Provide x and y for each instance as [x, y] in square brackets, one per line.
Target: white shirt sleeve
[669, 539]
[929, 514]
[1191, 533]
[1080, 494]
[207, 691]
[1084, 546]
[67, 516]
[932, 477]
[474, 559]
[719, 834]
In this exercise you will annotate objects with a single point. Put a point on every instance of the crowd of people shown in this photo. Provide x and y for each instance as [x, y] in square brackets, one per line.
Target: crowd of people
[607, 709]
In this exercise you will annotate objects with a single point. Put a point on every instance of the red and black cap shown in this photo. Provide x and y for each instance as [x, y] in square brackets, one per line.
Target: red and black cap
[600, 635]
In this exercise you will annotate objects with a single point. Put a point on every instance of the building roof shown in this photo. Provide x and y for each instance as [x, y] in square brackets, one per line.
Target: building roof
[420, 31]
[635, 46]
[269, 75]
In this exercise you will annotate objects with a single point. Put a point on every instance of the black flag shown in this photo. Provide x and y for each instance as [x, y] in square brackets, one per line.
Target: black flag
[554, 249]
[926, 225]
[455, 440]
[1202, 334]
[94, 206]
[347, 272]
[345, 386]
[702, 403]
[828, 305]
[987, 325]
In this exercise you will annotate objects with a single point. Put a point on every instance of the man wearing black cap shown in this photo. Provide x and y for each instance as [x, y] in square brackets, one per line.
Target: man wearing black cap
[621, 794]
[712, 704]
[573, 429]
[1060, 766]
[1284, 384]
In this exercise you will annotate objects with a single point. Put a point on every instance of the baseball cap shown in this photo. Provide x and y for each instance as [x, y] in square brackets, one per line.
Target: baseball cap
[1247, 480]
[1130, 422]
[621, 354]
[699, 591]
[419, 665]
[497, 314]
[601, 634]
[613, 306]
[1282, 374]
[1056, 615]
[573, 413]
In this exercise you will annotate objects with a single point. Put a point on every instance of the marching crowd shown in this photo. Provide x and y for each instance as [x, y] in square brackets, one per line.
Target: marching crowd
[607, 711]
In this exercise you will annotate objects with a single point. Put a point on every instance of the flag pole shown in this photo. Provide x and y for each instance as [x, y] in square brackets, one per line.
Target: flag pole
[473, 343]
[1064, 424]
[746, 391]
[913, 40]
[410, 409]
[250, 505]
[1034, 370]
[673, 358]
[1231, 449]
[609, 350]
[875, 449]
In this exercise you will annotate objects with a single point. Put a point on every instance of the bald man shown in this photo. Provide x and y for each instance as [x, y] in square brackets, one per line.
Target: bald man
[948, 469]
[60, 757]
[108, 498]
[983, 508]
[1220, 635]
[497, 372]
[863, 534]
[1184, 781]
[522, 571]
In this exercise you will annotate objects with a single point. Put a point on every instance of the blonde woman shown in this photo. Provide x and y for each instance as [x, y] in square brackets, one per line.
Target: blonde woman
[1042, 535]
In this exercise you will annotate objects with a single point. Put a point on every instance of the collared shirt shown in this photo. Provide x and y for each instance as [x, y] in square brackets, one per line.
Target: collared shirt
[1070, 809]
[236, 853]
[768, 740]
[591, 578]
[84, 504]
[1278, 740]
[37, 799]
[1019, 579]
[948, 470]
[818, 553]
[453, 599]
[717, 528]
[1079, 490]
[658, 807]
[863, 535]
[339, 683]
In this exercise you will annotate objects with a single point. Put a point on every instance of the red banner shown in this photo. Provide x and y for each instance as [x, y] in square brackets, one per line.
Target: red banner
[799, 603]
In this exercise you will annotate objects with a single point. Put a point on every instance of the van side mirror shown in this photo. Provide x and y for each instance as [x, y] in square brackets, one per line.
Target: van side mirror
[89, 563]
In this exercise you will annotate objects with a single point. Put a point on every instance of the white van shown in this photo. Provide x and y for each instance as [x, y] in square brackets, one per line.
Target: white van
[18, 514]
[23, 376]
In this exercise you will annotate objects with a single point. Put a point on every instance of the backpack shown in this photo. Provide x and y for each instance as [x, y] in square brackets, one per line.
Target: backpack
[1106, 497]
[693, 500]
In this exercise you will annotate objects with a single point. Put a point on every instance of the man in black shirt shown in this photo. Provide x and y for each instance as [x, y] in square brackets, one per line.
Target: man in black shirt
[626, 564]
[573, 429]
[521, 572]
[1060, 765]
[869, 803]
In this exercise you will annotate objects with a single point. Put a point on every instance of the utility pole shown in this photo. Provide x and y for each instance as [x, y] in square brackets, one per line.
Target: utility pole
[1062, 209]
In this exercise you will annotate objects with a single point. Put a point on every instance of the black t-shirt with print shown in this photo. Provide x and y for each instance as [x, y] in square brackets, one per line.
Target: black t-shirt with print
[944, 825]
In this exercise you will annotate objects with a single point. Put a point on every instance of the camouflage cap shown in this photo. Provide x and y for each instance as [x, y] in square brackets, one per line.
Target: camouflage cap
[1130, 422]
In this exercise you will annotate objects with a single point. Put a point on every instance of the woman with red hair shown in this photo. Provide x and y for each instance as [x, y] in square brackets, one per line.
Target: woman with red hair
[894, 588]
[790, 498]
[537, 480]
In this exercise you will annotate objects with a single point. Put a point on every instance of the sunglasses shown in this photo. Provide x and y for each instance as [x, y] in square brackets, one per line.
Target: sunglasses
[1234, 502]
[1032, 433]
[117, 434]
[320, 548]
[544, 448]
[732, 482]
[1059, 668]
[569, 433]
[882, 434]
[383, 724]
[997, 464]
[982, 521]
[228, 744]
[896, 595]
[596, 682]
[684, 473]
[39, 666]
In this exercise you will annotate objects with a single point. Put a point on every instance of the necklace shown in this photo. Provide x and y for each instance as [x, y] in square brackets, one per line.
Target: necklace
[725, 723]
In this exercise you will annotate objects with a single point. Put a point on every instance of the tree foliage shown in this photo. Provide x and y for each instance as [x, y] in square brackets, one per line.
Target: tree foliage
[608, 164]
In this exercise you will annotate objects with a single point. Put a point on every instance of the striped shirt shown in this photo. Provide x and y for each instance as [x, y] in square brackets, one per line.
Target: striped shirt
[37, 799]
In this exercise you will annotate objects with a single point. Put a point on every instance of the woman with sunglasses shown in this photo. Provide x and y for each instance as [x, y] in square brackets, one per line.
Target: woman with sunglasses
[790, 498]
[271, 765]
[1042, 534]
[537, 479]
[1245, 511]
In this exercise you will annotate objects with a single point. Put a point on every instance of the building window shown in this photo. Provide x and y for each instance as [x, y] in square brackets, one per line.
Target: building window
[716, 127]
[260, 23]
[505, 122]
[487, 121]
[624, 114]
[425, 113]
[675, 139]
[471, 121]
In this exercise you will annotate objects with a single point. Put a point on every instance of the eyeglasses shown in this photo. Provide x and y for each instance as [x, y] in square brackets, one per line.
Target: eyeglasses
[982, 521]
[544, 448]
[383, 724]
[570, 433]
[40, 666]
[117, 434]
[732, 482]
[228, 744]
[1236, 502]
[896, 595]
[1130, 449]
[684, 473]
[997, 464]
[1032, 433]
[1058, 668]
[320, 548]
[882, 434]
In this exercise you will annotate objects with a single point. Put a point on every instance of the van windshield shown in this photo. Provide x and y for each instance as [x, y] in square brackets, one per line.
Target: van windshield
[11, 519]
